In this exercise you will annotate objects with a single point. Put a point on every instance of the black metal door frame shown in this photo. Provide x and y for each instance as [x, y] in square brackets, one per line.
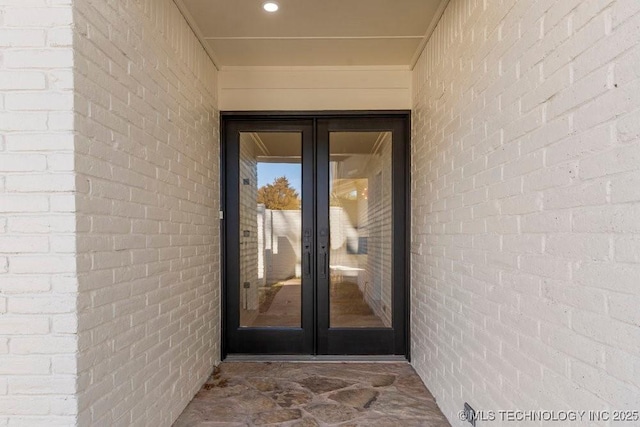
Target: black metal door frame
[315, 337]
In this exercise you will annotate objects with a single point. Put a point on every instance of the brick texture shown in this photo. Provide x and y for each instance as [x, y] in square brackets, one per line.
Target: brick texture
[526, 210]
[38, 285]
[147, 179]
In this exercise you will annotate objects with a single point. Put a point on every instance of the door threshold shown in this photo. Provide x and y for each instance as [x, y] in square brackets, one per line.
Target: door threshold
[313, 359]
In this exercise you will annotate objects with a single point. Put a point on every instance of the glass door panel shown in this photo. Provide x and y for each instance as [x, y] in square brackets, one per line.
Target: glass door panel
[360, 224]
[361, 249]
[270, 190]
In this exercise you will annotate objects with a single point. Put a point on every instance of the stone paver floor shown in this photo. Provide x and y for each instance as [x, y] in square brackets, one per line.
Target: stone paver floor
[313, 394]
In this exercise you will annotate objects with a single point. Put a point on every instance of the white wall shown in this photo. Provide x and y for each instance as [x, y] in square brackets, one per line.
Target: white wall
[38, 283]
[526, 206]
[147, 212]
[314, 88]
[380, 227]
[248, 218]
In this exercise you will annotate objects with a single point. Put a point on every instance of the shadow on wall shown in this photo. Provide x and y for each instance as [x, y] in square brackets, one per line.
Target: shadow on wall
[281, 264]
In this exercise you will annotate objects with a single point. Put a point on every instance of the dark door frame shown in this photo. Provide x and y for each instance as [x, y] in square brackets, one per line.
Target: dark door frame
[322, 340]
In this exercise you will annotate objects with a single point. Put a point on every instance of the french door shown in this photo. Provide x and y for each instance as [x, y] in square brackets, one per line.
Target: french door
[315, 233]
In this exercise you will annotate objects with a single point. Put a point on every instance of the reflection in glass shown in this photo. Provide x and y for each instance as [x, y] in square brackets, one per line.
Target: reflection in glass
[270, 229]
[360, 229]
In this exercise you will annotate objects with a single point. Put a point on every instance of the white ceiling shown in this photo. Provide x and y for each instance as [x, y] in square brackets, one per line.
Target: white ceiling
[289, 144]
[313, 32]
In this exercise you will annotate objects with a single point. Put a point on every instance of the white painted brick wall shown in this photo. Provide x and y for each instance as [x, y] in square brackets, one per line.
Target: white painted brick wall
[148, 229]
[38, 285]
[526, 200]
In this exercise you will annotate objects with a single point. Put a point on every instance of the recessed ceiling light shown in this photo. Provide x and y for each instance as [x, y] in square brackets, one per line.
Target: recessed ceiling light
[270, 6]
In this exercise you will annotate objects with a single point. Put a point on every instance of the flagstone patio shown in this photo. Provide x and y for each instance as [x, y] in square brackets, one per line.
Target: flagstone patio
[313, 394]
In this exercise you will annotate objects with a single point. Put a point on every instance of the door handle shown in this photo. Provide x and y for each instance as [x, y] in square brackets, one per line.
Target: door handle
[307, 252]
[324, 243]
[307, 262]
[323, 263]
